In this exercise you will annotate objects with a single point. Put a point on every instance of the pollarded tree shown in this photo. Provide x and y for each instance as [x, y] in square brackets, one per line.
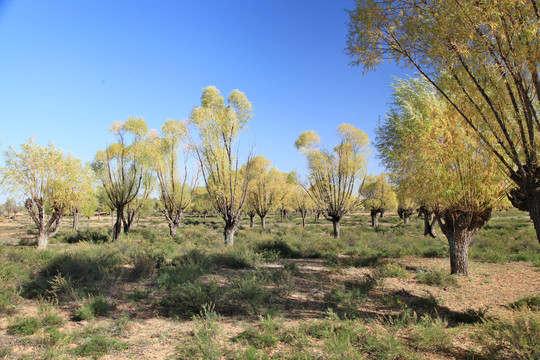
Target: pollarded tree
[81, 192]
[285, 204]
[120, 167]
[334, 177]
[378, 195]
[201, 203]
[483, 57]
[406, 206]
[219, 125]
[439, 163]
[89, 206]
[264, 187]
[175, 183]
[302, 202]
[10, 207]
[46, 177]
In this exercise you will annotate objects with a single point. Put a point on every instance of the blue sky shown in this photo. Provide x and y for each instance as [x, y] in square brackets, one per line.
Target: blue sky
[70, 68]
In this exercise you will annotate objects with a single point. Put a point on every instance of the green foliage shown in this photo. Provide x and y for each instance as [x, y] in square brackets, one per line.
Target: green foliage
[391, 269]
[92, 307]
[190, 298]
[204, 343]
[99, 345]
[432, 333]
[24, 326]
[435, 277]
[531, 302]
[516, 338]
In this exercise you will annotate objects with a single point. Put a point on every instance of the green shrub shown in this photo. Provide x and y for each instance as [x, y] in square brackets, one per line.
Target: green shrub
[431, 333]
[531, 302]
[24, 326]
[251, 289]
[100, 345]
[92, 307]
[391, 269]
[435, 278]
[203, 344]
[184, 269]
[276, 249]
[516, 338]
[266, 335]
[189, 299]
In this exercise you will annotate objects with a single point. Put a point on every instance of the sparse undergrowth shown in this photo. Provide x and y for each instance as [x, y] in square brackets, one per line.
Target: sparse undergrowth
[294, 293]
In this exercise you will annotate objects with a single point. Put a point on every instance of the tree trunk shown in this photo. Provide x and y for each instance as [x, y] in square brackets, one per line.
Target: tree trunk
[459, 227]
[303, 219]
[281, 215]
[173, 217]
[251, 220]
[429, 221]
[117, 227]
[43, 239]
[375, 218]
[76, 219]
[335, 223]
[88, 224]
[263, 222]
[229, 231]
[527, 198]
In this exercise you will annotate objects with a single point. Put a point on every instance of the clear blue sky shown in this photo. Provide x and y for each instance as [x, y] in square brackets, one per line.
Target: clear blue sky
[70, 68]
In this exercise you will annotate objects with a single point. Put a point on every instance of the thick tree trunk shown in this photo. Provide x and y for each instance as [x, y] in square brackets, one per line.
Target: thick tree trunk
[527, 197]
[88, 224]
[229, 231]
[303, 219]
[173, 218]
[43, 239]
[335, 224]
[459, 227]
[375, 218]
[251, 220]
[117, 227]
[76, 219]
[263, 221]
[128, 222]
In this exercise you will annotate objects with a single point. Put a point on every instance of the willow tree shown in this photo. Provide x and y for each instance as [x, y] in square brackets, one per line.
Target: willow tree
[334, 177]
[378, 195]
[176, 184]
[219, 125]
[47, 178]
[302, 202]
[439, 162]
[264, 188]
[120, 169]
[406, 206]
[483, 57]
[82, 191]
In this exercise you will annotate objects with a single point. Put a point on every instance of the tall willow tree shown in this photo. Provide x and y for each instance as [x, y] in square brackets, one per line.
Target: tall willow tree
[378, 195]
[334, 177]
[264, 188]
[175, 183]
[438, 162]
[48, 179]
[219, 125]
[121, 169]
[483, 57]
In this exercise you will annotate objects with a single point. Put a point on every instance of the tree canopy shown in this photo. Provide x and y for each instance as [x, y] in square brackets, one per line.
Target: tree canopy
[482, 56]
[334, 177]
[219, 125]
